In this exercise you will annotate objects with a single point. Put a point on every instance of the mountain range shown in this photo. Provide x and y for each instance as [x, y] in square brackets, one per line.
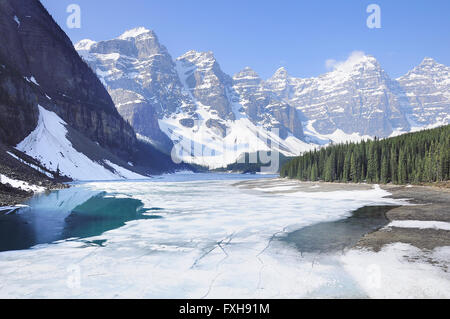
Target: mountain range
[190, 102]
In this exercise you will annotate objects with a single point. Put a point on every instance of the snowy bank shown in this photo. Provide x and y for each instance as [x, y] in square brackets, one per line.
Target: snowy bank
[21, 184]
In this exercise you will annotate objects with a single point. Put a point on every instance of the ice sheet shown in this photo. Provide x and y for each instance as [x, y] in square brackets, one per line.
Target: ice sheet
[214, 241]
[401, 271]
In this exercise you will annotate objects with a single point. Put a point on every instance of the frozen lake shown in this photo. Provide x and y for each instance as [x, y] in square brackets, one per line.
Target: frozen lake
[179, 236]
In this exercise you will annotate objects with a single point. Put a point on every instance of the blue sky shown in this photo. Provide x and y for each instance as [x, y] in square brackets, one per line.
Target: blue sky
[265, 35]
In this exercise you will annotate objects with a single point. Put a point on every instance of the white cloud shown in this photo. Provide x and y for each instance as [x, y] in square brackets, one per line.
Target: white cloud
[330, 64]
[353, 58]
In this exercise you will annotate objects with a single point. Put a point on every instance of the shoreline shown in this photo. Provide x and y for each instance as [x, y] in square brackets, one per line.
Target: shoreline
[10, 197]
[426, 205]
[339, 235]
[429, 205]
[24, 176]
[14, 198]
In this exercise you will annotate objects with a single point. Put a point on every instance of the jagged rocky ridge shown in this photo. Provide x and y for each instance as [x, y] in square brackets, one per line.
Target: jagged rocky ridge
[191, 100]
[427, 89]
[359, 97]
[54, 109]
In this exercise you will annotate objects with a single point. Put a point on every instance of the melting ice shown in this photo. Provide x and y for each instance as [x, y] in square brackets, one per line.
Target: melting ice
[214, 240]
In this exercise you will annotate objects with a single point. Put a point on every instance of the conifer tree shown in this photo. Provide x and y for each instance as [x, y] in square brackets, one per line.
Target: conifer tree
[384, 169]
[402, 174]
[353, 169]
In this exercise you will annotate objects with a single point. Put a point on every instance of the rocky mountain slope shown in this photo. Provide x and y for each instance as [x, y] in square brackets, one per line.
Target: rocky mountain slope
[357, 97]
[40, 52]
[211, 117]
[191, 101]
[56, 117]
[427, 88]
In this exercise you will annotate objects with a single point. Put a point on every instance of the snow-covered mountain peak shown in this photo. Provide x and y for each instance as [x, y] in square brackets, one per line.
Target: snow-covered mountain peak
[427, 87]
[134, 33]
[84, 45]
[280, 83]
[200, 59]
[368, 61]
[280, 74]
[196, 55]
[139, 43]
[203, 73]
[247, 74]
[432, 66]
[357, 62]
[428, 61]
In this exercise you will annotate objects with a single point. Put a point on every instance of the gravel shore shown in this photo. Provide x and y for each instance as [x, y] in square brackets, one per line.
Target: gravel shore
[429, 204]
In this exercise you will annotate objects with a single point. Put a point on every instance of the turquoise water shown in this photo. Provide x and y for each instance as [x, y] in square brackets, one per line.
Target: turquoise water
[79, 212]
[91, 218]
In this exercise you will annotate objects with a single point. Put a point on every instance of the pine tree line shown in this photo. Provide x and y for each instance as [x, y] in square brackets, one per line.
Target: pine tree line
[411, 158]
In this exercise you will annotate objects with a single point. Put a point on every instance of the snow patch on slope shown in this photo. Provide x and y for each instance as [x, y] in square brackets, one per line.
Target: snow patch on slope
[49, 145]
[203, 146]
[35, 167]
[32, 80]
[84, 45]
[17, 21]
[20, 184]
[338, 136]
[122, 172]
[133, 33]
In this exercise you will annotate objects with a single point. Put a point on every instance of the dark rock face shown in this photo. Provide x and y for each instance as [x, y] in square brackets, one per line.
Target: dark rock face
[207, 83]
[18, 111]
[217, 125]
[42, 67]
[140, 114]
[264, 107]
[187, 123]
